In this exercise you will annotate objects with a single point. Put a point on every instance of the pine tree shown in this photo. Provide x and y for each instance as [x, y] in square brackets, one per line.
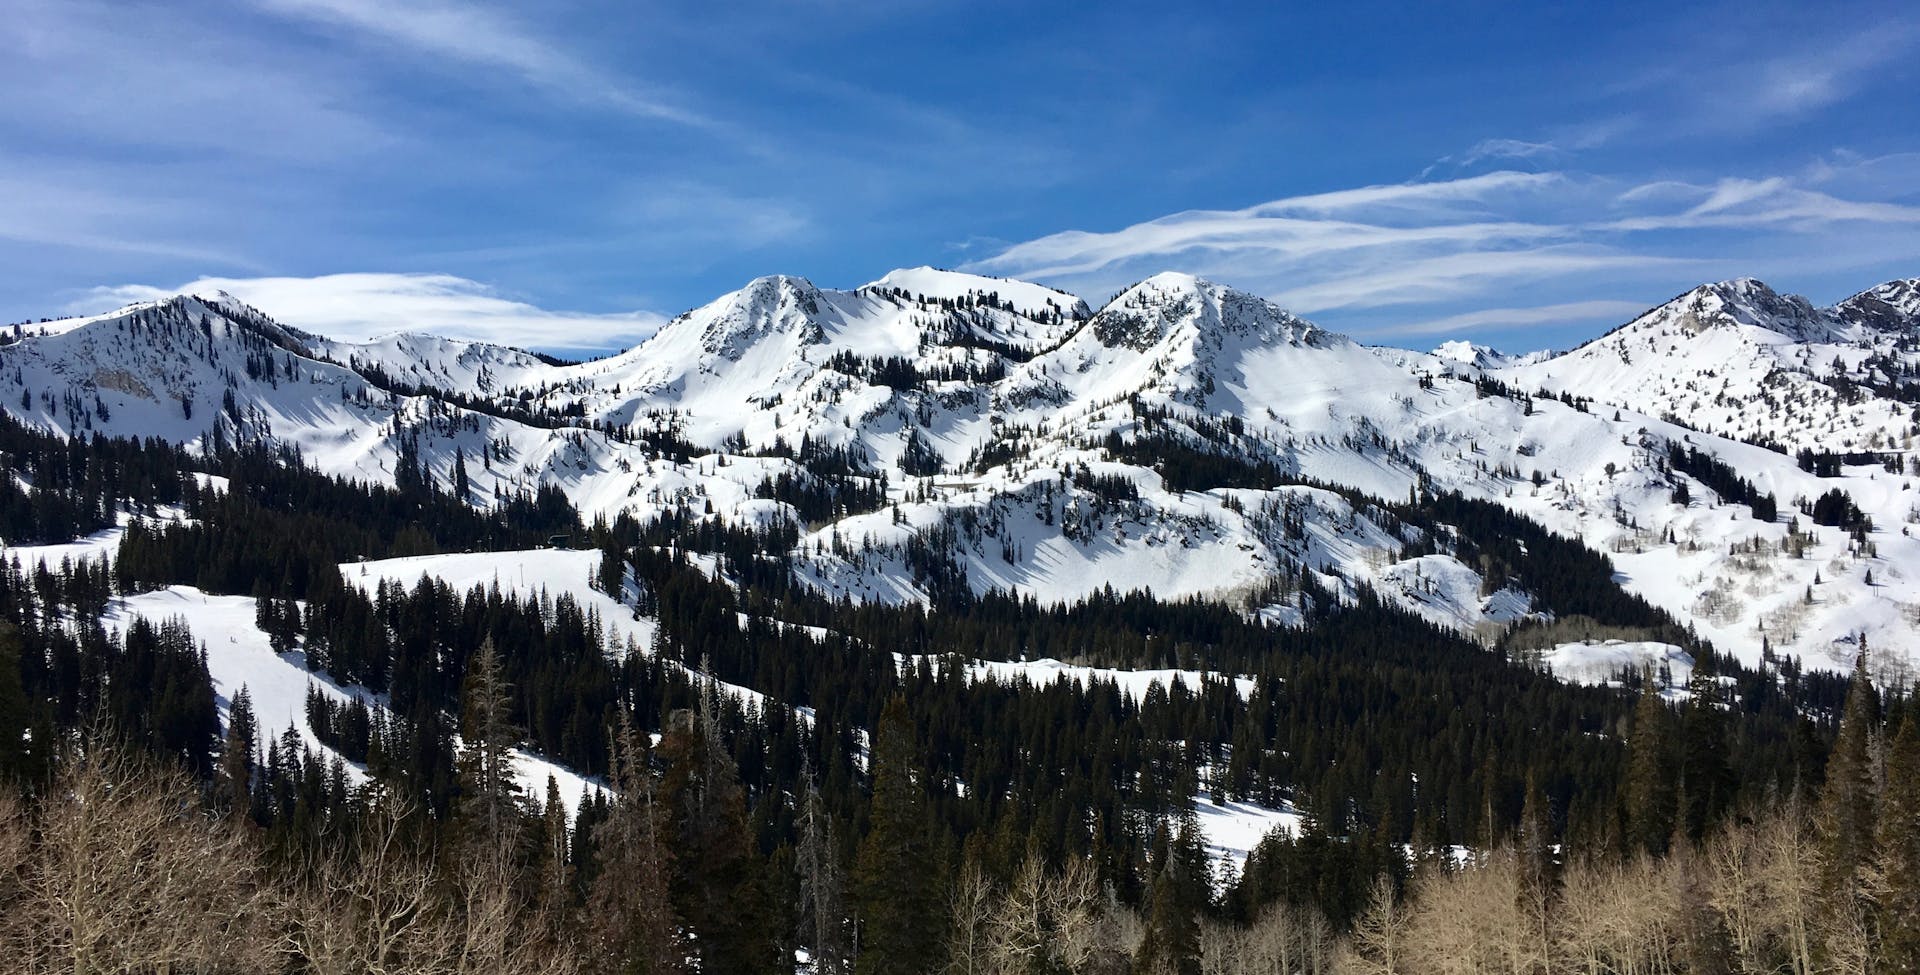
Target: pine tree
[719, 882]
[491, 809]
[1844, 816]
[1896, 872]
[15, 717]
[894, 880]
[1648, 791]
[1539, 875]
[236, 755]
[462, 487]
[1707, 781]
[1172, 942]
[556, 871]
[635, 930]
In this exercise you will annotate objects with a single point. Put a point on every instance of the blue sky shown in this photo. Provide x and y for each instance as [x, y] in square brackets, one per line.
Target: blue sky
[563, 175]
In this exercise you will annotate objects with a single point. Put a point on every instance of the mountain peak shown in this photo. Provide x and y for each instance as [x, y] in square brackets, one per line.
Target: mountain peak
[1893, 306]
[1734, 303]
[1177, 280]
[1749, 301]
[733, 323]
[1168, 302]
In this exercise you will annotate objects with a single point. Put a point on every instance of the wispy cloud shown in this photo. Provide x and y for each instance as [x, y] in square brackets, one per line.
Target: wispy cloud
[1804, 81]
[1462, 276]
[1735, 203]
[40, 208]
[1561, 143]
[363, 306]
[1492, 149]
[1301, 228]
[1731, 84]
[482, 38]
[1508, 319]
[1379, 244]
[1440, 248]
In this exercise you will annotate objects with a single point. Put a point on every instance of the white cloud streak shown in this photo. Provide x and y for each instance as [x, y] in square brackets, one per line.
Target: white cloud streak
[60, 211]
[1461, 241]
[479, 37]
[1505, 319]
[1304, 228]
[360, 307]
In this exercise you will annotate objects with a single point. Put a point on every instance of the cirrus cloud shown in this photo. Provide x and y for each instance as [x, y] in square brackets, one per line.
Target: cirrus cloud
[1455, 253]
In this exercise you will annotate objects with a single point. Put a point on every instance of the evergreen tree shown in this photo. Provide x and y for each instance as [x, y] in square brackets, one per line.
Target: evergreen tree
[635, 930]
[491, 809]
[1844, 816]
[895, 880]
[1706, 779]
[1172, 942]
[1539, 874]
[462, 487]
[236, 755]
[16, 719]
[719, 882]
[1648, 790]
[556, 868]
[1897, 854]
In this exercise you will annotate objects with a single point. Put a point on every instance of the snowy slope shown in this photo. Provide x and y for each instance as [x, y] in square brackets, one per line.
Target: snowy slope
[239, 656]
[521, 574]
[1740, 360]
[1032, 440]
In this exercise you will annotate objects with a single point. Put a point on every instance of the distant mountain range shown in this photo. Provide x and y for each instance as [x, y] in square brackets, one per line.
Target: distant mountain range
[935, 431]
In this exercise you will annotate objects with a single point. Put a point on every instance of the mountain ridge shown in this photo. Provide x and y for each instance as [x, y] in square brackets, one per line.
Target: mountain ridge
[1186, 438]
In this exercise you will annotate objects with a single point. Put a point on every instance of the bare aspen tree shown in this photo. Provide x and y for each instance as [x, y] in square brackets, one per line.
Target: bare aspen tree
[130, 873]
[1377, 945]
[1223, 948]
[1584, 918]
[1089, 930]
[1282, 939]
[1291, 938]
[375, 908]
[1847, 933]
[18, 935]
[1044, 922]
[970, 910]
[1017, 931]
[1730, 860]
[1789, 873]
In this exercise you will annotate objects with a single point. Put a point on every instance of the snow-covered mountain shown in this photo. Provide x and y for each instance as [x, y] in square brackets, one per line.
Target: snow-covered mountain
[934, 429]
[1740, 360]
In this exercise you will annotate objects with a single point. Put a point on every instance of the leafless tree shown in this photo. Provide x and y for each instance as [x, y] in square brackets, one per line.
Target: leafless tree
[127, 871]
[1378, 944]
